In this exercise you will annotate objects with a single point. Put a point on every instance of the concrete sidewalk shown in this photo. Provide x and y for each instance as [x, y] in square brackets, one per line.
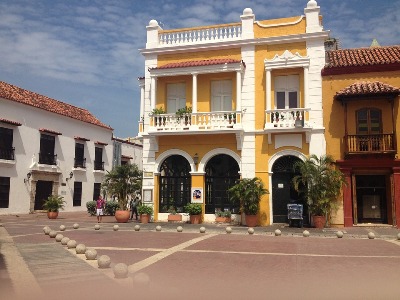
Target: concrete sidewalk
[35, 264]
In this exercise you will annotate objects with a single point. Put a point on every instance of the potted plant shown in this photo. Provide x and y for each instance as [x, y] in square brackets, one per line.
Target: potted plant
[145, 212]
[248, 192]
[185, 114]
[174, 216]
[121, 182]
[194, 210]
[223, 216]
[321, 184]
[53, 204]
[158, 120]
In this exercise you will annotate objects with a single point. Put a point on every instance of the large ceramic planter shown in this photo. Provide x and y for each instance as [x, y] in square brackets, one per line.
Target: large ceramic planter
[251, 220]
[144, 218]
[52, 214]
[195, 219]
[319, 221]
[223, 219]
[175, 218]
[122, 216]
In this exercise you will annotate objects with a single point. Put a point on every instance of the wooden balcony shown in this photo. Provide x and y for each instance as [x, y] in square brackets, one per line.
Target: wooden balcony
[370, 144]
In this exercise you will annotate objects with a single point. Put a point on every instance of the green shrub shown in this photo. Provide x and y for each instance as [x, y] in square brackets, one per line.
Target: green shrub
[91, 207]
[193, 209]
[145, 209]
[111, 207]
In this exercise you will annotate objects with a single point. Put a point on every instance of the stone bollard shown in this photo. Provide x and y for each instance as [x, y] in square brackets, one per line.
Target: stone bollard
[158, 228]
[115, 227]
[202, 229]
[371, 235]
[47, 230]
[52, 234]
[339, 234]
[228, 229]
[306, 233]
[250, 230]
[398, 236]
[121, 270]
[59, 237]
[64, 241]
[104, 261]
[62, 227]
[179, 228]
[97, 227]
[91, 254]
[71, 244]
[137, 227]
[80, 249]
[76, 226]
[278, 232]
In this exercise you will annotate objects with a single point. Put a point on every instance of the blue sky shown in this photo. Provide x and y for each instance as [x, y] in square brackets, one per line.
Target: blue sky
[85, 52]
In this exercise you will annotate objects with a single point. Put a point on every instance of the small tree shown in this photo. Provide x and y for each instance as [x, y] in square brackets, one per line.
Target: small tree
[248, 192]
[123, 181]
[320, 182]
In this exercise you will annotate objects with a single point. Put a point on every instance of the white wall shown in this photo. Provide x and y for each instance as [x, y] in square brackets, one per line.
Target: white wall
[27, 144]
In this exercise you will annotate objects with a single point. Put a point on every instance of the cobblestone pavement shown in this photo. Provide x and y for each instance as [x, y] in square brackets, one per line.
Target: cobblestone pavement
[176, 265]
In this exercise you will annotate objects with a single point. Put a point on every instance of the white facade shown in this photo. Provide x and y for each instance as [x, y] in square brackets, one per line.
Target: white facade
[26, 173]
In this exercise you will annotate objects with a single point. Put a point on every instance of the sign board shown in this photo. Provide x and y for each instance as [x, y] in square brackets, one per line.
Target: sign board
[197, 195]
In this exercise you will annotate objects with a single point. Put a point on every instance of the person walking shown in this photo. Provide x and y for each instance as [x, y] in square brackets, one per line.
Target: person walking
[133, 204]
[100, 205]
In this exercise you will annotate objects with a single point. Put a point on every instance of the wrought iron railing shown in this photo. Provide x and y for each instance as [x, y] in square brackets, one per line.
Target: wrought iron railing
[80, 163]
[7, 153]
[99, 165]
[370, 143]
[47, 159]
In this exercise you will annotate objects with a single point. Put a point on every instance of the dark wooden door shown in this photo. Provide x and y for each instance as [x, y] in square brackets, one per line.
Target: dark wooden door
[43, 191]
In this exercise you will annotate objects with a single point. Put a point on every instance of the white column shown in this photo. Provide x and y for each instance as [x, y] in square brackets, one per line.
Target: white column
[194, 93]
[153, 93]
[141, 84]
[305, 87]
[268, 88]
[238, 91]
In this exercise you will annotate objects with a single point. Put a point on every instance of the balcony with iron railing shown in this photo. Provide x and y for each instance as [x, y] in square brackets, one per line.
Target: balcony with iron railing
[47, 159]
[200, 121]
[287, 118]
[7, 153]
[98, 165]
[80, 163]
[370, 144]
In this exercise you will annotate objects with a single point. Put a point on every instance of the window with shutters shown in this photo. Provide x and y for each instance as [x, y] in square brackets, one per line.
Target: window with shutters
[287, 92]
[221, 95]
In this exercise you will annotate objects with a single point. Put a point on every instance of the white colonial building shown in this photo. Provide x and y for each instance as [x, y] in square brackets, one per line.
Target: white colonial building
[50, 147]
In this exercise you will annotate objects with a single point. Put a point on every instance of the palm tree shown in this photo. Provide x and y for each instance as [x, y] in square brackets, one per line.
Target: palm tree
[320, 182]
[123, 181]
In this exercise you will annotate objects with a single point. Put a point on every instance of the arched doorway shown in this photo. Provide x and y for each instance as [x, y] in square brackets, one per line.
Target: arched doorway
[174, 183]
[222, 172]
[283, 192]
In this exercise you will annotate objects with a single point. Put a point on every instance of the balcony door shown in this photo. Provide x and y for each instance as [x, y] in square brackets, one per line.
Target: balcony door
[176, 97]
[369, 121]
[287, 92]
[221, 95]
[6, 142]
[79, 156]
[47, 143]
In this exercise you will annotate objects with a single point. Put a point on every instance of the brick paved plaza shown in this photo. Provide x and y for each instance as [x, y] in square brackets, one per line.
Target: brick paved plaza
[168, 264]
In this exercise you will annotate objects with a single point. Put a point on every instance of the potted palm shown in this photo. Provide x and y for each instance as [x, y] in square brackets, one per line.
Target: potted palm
[121, 182]
[53, 204]
[145, 212]
[321, 184]
[194, 210]
[248, 192]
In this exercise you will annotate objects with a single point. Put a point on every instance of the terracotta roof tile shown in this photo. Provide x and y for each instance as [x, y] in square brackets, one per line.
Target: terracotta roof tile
[17, 94]
[368, 88]
[198, 63]
[362, 60]
[9, 122]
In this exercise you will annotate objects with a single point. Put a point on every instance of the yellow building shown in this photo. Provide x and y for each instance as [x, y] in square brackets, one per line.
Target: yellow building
[361, 111]
[231, 101]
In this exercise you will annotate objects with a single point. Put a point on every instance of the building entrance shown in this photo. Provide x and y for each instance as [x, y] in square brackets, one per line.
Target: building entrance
[43, 190]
